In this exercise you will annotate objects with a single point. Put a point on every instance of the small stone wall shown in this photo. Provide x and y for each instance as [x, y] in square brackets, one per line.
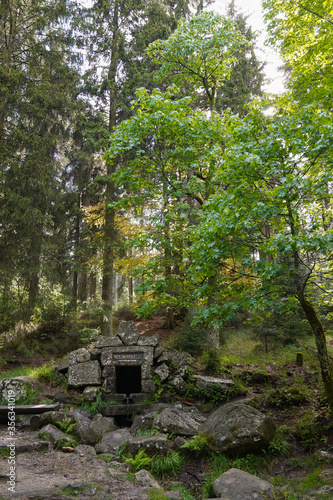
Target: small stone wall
[97, 367]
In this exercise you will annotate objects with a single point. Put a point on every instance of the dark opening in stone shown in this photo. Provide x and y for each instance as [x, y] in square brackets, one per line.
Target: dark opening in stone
[128, 379]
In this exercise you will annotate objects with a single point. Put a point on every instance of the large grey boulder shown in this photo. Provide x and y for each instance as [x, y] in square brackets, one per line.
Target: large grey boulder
[153, 445]
[18, 387]
[163, 372]
[79, 356]
[236, 484]
[54, 417]
[112, 341]
[63, 365]
[84, 450]
[52, 433]
[208, 382]
[90, 393]
[83, 428]
[112, 441]
[179, 422]
[128, 332]
[85, 373]
[146, 479]
[238, 429]
[102, 425]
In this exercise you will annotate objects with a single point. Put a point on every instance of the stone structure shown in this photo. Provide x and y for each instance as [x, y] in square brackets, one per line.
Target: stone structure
[124, 366]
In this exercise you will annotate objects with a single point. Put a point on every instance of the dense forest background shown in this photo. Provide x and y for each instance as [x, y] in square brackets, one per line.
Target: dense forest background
[142, 164]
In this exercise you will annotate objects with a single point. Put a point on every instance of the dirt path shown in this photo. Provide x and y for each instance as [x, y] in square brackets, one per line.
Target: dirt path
[46, 474]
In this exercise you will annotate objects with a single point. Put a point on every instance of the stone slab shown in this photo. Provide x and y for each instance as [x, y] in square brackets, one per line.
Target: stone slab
[87, 373]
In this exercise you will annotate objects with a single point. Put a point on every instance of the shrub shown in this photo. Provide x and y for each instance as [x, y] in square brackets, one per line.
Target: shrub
[198, 445]
[140, 461]
[211, 361]
[170, 465]
[190, 338]
[308, 429]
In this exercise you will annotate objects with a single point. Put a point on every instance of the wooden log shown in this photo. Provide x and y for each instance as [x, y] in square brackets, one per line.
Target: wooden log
[29, 409]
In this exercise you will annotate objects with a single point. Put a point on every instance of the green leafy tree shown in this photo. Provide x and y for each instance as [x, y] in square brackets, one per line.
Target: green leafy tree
[264, 231]
[201, 50]
[38, 90]
[247, 76]
[303, 32]
[169, 157]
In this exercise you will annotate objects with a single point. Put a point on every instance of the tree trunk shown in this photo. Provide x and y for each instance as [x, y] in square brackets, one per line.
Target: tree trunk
[318, 330]
[169, 322]
[109, 224]
[213, 337]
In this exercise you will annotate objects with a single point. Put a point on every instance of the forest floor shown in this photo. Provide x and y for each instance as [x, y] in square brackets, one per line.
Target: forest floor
[301, 463]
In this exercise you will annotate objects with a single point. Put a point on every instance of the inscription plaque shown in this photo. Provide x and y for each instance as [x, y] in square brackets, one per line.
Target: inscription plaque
[128, 356]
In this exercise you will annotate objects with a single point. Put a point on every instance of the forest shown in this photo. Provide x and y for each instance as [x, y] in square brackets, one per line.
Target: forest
[143, 166]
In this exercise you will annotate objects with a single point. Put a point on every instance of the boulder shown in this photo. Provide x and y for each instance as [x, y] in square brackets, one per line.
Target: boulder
[156, 444]
[19, 387]
[63, 365]
[238, 429]
[146, 479]
[53, 433]
[79, 356]
[83, 428]
[207, 382]
[90, 393]
[236, 484]
[179, 384]
[175, 358]
[112, 441]
[54, 417]
[179, 422]
[84, 450]
[101, 425]
[128, 332]
[163, 372]
[144, 422]
[112, 341]
[85, 373]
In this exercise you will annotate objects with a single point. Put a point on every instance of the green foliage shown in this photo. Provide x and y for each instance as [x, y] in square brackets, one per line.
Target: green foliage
[211, 361]
[89, 334]
[66, 426]
[286, 397]
[73, 491]
[190, 338]
[198, 445]
[201, 50]
[303, 34]
[4, 451]
[170, 465]
[140, 461]
[279, 446]
[47, 373]
[157, 495]
[308, 429]
[220, 464]
[184, 493]
[96, 406]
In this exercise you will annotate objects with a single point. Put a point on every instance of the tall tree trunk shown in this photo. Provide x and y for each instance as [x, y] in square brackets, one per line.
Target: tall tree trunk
[324, 361]
[109, 225]
[213, 337]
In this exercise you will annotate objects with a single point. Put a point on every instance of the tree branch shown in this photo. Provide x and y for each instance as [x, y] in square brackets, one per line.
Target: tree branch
[316, 14]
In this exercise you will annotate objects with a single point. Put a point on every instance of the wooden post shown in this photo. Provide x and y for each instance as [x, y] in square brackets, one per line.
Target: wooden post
[299, 358]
